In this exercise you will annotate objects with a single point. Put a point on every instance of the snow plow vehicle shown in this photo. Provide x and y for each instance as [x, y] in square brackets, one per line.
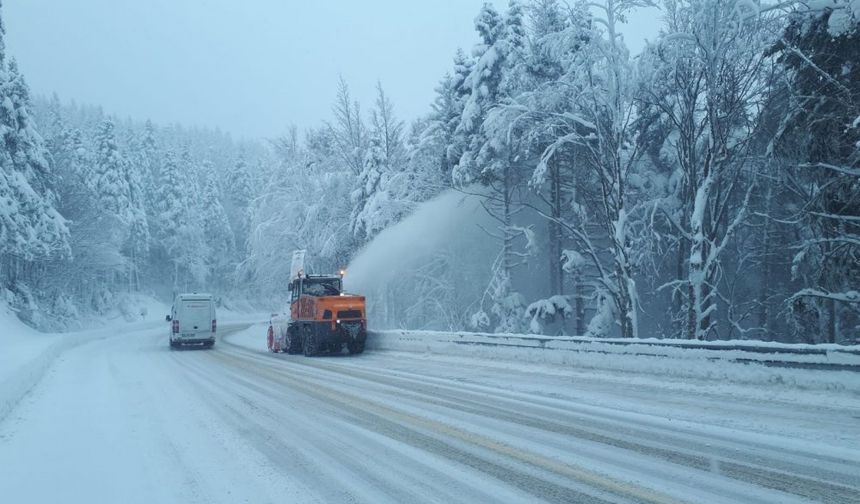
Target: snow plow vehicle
[322, 318]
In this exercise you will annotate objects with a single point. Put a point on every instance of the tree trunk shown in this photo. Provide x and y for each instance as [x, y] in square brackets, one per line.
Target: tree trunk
[832, 309]
[764, 292]
[507, 218]
[556, 271]
[677, 297]
[580, 306]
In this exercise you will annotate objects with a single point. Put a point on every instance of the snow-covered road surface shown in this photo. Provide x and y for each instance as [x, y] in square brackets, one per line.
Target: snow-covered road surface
[124, 419]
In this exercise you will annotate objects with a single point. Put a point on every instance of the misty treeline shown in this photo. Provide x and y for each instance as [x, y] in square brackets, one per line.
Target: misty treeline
[94, 210]
[136, 209]
[707, 188]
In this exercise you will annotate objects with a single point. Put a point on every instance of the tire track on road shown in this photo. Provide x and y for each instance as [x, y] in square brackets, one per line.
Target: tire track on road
[395, 421]
[761, 474]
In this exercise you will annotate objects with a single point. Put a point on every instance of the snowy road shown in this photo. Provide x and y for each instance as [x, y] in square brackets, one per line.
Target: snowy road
[124, 419]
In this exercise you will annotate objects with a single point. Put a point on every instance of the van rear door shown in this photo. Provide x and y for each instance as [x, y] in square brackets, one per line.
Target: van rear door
[195, 315]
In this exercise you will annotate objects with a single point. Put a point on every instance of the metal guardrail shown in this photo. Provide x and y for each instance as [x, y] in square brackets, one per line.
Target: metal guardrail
[799, 356]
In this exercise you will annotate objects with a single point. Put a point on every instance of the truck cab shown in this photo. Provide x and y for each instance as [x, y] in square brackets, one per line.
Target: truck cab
[192, 320]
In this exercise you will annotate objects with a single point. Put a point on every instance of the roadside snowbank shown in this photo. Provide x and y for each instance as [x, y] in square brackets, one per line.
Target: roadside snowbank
[26, 354]
[733, 364]
[19, 345]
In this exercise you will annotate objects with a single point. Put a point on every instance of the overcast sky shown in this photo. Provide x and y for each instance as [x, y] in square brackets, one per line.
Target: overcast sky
[250, 67]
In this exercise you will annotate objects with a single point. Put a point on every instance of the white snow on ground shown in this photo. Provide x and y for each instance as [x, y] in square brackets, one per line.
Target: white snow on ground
[20, 349]
[670, 363]
[112, 423]
[26, 354]
[651, 388]
[122, 418]
[767, 416]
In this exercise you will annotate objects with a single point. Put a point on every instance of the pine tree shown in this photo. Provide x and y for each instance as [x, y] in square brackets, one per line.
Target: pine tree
[490, 156]
[149, 161]
[174, 226]
[138, 242]
[216, 229]
[30, 226]
[348, 131]
[388, 129]
[820, 138]
[365, 216]
[458, 137]
[483, 81]
[238, 201]
[547, 23]
[111, 174]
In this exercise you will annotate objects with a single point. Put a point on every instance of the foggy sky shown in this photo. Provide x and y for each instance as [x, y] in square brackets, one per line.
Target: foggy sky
[249, 67]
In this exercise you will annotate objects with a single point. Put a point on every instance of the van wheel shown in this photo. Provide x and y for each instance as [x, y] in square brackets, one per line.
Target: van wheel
[310, 345]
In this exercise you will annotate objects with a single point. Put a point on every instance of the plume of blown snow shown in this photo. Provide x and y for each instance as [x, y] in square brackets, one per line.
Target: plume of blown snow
[449, 217]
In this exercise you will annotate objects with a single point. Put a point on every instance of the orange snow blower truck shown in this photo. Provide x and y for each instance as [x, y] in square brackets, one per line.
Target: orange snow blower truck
[321, 318]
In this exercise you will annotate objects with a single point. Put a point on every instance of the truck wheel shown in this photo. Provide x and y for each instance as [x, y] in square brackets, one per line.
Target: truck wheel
[270, 339]
[294, 343]
[355, 347]
[310, 345]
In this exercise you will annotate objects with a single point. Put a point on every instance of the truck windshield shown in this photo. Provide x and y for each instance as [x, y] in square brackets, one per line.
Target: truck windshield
[321, 286]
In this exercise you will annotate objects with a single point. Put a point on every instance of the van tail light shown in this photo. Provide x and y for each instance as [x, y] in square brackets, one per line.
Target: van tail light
[214, 325]
[175, 327]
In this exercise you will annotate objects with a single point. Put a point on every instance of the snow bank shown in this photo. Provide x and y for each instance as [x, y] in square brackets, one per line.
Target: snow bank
[727, 361]
[19, 344]
[27, 354]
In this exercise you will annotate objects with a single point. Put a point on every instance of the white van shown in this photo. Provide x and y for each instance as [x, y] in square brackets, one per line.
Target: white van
[192, 320]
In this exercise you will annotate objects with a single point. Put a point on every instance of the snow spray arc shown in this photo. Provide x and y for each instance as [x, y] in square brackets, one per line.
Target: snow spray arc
[446, 225]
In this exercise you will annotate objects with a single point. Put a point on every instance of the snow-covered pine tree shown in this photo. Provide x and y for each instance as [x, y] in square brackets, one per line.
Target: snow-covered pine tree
[367, 220]
[559, 183]
[389, 129]
[238, 201]
[820, 139]
[490, 156]
[110, 171]
[30, 226]
[547, 21]
[216, 230]
[149, 159]
[483, 82]
[119, 190]
[179, 238]
[457, 139]
[706, 79]
[438, 134]
[138, 241]
[598, 124]
[348, 131]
